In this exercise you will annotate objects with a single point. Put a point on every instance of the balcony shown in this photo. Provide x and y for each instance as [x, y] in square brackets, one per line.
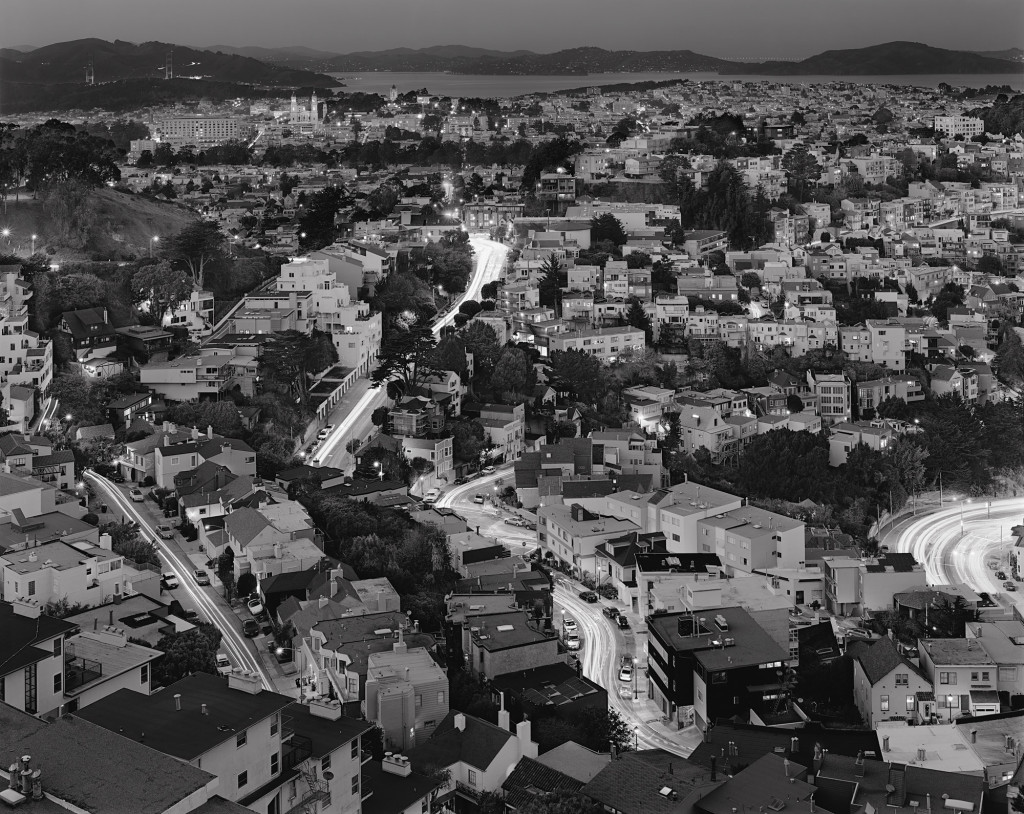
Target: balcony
[78, 671]
[467, 791]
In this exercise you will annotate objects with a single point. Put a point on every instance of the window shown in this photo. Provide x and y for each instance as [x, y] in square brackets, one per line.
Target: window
[472, 777]
[902, 679]
[241, 738]
[1005, 674]
[275, 722]
[885, 703]
[355, 784]
[985, 675]
[974, 676]
[274, 763]
[419, 700]
[355, 748]
[144, 675]
[32, 587]
[243, 779]
[58, 646]
[58, 680]
[440, 697]
[947, 678]
[325, 763]
[30, 689]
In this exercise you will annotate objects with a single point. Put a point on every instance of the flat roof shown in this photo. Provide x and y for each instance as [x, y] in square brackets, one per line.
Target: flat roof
[491, 638]
[956, 651]
[753, 644]
[57, 555]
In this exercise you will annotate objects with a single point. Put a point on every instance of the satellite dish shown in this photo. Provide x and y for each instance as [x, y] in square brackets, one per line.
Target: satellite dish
[328, 776]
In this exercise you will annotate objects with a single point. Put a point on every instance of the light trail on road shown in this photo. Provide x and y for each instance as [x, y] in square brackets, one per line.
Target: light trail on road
[490, 261]
[239, 648]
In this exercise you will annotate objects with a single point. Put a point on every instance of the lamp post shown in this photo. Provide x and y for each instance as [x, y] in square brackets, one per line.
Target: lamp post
[152, 240]
[380, 470]
[634, 679]
[34, 243]
[636, 739]
[7, 234]
[962, 502]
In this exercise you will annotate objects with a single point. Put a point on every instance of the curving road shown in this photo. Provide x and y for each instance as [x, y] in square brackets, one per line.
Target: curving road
[968, 550]
[352, 416]
[207, 602]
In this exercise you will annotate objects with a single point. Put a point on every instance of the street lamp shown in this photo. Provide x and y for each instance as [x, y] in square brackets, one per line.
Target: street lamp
[634, 678]
[962, 502]
[34, 243]
[7, 234]
[380, 470]
[153, 240]
[636, 739]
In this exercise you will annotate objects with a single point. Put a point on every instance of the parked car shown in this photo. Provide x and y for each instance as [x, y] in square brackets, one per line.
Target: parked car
[626, 673]
[611, 613]
[255, 606]
[569, 624]
[488, 470]
[625, 660]
[589, 596]
[201, 577]
[432, 496]
[623, 622]
[191, 615]
[136, 495]
[251, 628]
[478, 499]
[572, 641]
[1009, 586]
[460, 481]
[325, 432]
[117, 477]
[223, 664]
[169, 581]
[858, 633]
[1000, 575]
[165, 531]
[515, 521]
[532, 527]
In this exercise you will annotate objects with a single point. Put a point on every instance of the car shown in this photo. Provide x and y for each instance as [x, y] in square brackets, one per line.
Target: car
[265, 626]
[460, 481]
[169, 581]
[626, 673]
[515, 521]
[625, 661]
[117, 477]
[1009, 586]
[569, 624]
[572, 641]
[488, 470]
[136, 495]
[223, 664]
[478, 499]
[309, 449]
[251, 628]
[432, 496]
[531, 526]
[611, 613]
[1000, 575]
[326, 431]
[858, 633]
[589, 596]
[255, 606]
[623, 622]
[191, 615]
[165, 531]
[201, 577]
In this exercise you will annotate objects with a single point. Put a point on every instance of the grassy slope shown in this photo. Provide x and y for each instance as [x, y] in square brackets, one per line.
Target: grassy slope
[122, 226]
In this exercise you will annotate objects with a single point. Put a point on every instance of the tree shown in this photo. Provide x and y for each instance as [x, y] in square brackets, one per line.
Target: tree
[950, 296]
[163, 286]
[1010, 357]
[750, 279]
[579, 372]
[991, 265]
[467, 440]
[192, 651]
[802, 168]
[637, 317]
[196, 246]
[481, 341]
[246, 585]
[406, 357]
[607, 227]
[513, 378]
[226, 571]
[290, 358]
[601, 727]
[550, 285]
[560, 802]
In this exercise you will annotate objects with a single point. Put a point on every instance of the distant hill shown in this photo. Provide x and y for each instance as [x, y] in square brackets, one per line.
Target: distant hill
[891, 58]
[573, 61]
[65, 62]
[1012, 54]
[288, 53]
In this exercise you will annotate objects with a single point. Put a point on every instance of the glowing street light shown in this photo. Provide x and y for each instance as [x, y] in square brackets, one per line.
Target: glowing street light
[152, 240]
[34, 243]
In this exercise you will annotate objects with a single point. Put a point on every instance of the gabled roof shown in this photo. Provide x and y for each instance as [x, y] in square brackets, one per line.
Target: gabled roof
[19, 635]
[244, 525]
[477, 745]
[879, 659]
[530, 779]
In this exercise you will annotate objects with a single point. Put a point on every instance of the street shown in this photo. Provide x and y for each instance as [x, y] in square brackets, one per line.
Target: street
[956, 544]
[207, 601]
[352, 416]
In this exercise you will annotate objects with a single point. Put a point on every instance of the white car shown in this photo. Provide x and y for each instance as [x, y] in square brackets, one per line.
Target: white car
[136, 495]
[326, 431]
[223, 664]
[255, 606]
[626, 673]
[572, 640]
[432, 496]
[488, 470]
[569, 624]
[169, 580]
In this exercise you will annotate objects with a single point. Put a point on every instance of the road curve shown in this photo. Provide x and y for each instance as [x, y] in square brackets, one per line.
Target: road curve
[240, 649]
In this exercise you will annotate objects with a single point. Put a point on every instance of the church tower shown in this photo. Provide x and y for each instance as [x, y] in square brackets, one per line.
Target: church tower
[314, 109]
[294, 108]
[393, 94]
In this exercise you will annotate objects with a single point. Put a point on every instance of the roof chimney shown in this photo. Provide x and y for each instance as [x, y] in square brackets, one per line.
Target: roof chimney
[885, 743]
[205, 710]
[209, 431]
[177, 702]
[460, 722]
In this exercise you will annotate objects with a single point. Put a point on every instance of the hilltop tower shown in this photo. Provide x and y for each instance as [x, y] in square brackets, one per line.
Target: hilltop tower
[393, 94]
[90, 73]
[169, 65]
[314, 109]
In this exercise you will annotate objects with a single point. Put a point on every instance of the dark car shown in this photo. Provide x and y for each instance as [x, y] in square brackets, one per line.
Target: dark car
[589, 596]
[611, 613]
[251, 628]
[623, 622]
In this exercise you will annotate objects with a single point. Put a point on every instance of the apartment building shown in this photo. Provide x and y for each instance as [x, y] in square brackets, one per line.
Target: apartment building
[647, 405]
[205, 375]
[953, 126]
[670, 309]
[26, 360]
[201, 131]
[406, 695]
[751, 539]
[960, 381]
[507, 643]
[964, 677]
[505, 430]
[723, 437]
[846, 435]
[854, 586]
[81, 572]
[196, 315]
[571, 534]
[605, 343]
[627, 452]
[31, 657]
[833, 391]
[872, 393]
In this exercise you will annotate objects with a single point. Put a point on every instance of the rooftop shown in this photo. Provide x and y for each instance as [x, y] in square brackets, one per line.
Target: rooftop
[751, 644]
[956, 651]
[57, 555]
[477, 744]
[502, 631]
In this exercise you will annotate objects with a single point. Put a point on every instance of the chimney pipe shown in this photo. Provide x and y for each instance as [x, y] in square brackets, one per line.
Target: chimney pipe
[205, 711]
[177, 702]
[714, 761]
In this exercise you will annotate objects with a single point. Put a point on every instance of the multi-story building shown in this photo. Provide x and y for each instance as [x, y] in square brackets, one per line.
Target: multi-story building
[749, 538]
[505, 431]
[723, 437]
[647, 405]
[358, 265]
[964, 677]
[201, 131]
[195, 315]
[31, 657]
[953, 126]
[205, 375]
[93, 340]
[960, 381]
[833, 393]
[81, 573]
[872, 393]
[858, 585]
[886, 685]
[571, 534]
[508, 643]
[846, 435]
[406, 695]
[607, 344]
[26, 359]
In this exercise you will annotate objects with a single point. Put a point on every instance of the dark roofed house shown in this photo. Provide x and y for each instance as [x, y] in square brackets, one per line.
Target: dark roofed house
[771, 782]
[886, 684]
[552, 689]
[643, 783]
[531, 779]
[28, 642]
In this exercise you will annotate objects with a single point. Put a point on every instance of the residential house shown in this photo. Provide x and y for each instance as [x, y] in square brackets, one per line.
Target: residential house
[887, 686]
[31, 657]
[834, 397]
[509, 642]
[854, 586]
[571, 534]
[406, 695]
[93, 340]
[960, 381]
[81, 572]
[964, 677]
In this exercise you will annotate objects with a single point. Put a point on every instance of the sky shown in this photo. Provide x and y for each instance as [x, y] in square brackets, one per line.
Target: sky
[724, 28]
